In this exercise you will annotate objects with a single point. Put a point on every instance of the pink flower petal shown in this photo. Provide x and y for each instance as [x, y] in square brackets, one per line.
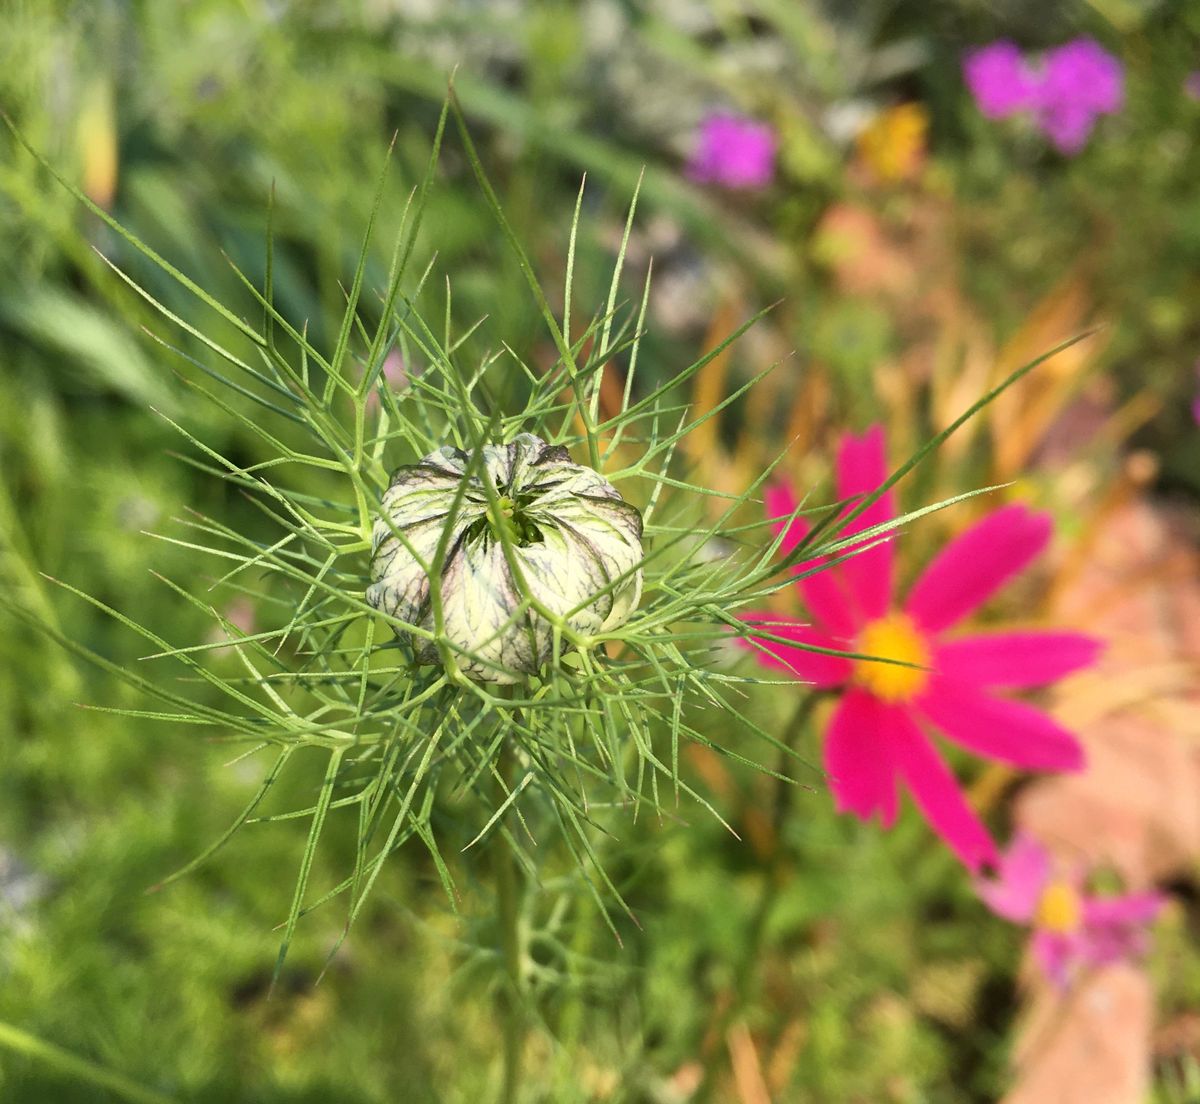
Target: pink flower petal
[861, 469]
[1000, 79]
[936, 791]
[858, 758]
[977, 563]
[1021, 875]
[1057, 955]
[1116, 928]
[779, 505]
[996, 728]
[1103, 946]
[823, 591]
[815, 667]
[1133, 908]
[1016, 659]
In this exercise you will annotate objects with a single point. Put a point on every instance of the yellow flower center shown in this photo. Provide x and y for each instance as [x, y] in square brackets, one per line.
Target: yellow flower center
[892, 637]
[1059, 910]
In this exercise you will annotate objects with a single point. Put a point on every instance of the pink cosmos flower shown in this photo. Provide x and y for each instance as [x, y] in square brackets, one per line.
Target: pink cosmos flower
[1191, 85]
[1071, 929]
[734, 152]
[878, 736]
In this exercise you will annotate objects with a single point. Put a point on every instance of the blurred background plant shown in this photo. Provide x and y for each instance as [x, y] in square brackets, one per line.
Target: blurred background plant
[920, 251]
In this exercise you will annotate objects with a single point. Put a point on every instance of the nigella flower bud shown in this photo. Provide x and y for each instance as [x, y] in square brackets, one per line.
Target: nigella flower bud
[574, 544]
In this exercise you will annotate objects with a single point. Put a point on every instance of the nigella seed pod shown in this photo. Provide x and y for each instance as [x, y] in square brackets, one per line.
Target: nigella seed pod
[552, 543]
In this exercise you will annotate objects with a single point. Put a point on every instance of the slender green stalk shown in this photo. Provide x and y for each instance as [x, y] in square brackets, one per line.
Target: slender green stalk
[508, 896]
[71, 1065]
[774, 879]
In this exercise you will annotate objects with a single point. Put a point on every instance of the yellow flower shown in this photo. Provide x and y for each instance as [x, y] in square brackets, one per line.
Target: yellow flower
[893, 144]
[98, 144]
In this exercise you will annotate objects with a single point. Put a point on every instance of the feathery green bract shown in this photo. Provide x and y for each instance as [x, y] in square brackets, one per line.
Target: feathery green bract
[596, 733]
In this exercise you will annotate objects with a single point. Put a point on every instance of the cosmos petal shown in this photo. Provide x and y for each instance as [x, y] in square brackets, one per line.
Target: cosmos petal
[1009, 731]
[858, 759]
[1057, 955]
[1117, 928]
[937, 793]
[1016, 659]
[821, 670]
[823, 590]
[1132, 908]
[861, 469]
[779, 504]
[1022, 872]
[977, 563]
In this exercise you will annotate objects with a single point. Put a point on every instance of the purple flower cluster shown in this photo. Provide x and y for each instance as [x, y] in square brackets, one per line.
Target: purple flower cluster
[733, 152]
[1064, 93]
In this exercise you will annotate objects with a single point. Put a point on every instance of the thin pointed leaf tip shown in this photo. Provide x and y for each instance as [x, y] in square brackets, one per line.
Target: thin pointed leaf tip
[518, 552]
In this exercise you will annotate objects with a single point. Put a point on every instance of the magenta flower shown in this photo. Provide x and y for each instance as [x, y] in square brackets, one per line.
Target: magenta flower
[1071, 929]
[877, 738]
[1072, 86]
[1082, 72]
[1000, 79]
[1081, 81]
[733, 152]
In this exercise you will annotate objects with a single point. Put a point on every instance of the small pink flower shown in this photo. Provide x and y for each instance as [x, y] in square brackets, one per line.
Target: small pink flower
[1191, 85]
[999, 79]
[1080, 82]
[1071, 928]
[242, 616]
[1064, 93]
[1083, 72]
[733, 152]
[877, 737]
[394, 374]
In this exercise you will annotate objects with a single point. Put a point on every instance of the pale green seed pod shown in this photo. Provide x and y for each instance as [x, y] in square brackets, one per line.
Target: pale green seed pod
[570, 536]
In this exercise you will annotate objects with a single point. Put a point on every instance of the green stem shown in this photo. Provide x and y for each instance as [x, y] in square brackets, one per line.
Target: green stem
[71, 1065]
[508, 895]
[774, 878]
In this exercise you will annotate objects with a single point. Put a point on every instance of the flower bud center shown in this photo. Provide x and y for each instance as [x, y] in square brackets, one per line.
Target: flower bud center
[892, 637]
[1059, 910]
[510, 522]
